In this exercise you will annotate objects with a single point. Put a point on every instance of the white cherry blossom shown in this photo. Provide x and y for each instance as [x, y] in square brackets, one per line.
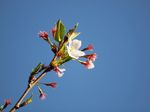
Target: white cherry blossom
[73, 49]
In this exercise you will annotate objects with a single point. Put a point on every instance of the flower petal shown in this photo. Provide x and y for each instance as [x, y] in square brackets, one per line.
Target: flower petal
[76, 54]
[60, 74]
[62, 69]
[90, 66]
[75, 44]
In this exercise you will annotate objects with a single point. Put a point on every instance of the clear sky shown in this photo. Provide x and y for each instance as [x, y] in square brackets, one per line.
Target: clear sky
[120, 33]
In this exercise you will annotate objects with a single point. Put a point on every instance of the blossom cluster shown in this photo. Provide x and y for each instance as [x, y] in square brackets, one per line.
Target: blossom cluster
[65, 47]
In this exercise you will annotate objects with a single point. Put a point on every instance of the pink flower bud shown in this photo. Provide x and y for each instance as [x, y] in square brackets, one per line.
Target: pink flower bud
[59, 71]
[8, 102]
[88, 64]
[42, 96]
[53, 84]
[43, 35]
[90, 47]
[53, 31]
[91, 57]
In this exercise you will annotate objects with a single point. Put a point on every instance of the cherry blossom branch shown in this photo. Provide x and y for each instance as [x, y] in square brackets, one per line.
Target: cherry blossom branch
[65, 48]
[29, 87]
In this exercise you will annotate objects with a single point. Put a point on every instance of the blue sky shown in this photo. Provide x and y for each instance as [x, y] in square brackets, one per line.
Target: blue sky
[120, 33]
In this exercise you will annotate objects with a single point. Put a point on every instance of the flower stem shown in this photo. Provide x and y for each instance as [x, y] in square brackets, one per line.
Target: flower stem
[32, 84]
[29, 87]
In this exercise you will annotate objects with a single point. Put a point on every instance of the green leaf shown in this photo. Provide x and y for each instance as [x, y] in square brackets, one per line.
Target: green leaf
[29, 100]
[60, 31]
[36, 69]
[1, 107]
[75, 27]
[72, 34]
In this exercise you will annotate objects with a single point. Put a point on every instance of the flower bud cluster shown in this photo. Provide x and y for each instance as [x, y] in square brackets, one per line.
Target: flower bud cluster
[66, 48]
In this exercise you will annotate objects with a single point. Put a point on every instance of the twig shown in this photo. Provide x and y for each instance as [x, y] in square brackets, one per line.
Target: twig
[29, 87]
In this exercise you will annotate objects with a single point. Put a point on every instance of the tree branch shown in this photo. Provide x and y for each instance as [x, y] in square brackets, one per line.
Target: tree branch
[29, 87]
